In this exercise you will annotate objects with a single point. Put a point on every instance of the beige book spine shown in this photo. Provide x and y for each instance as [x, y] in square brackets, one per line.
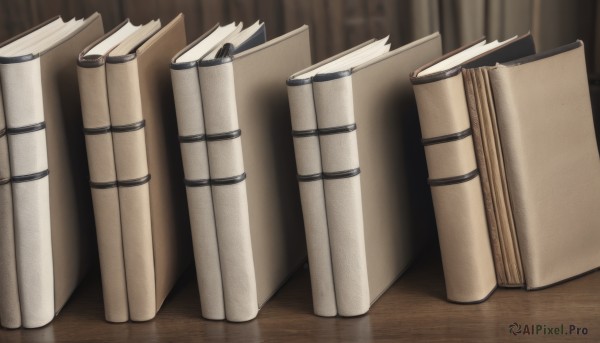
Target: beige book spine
[26, 129]
[131, 164]
[228, 184]
[456, 189]
[312, 196]
[493, 179]
[194, 153]
[334, 104]
[10, 308]
[105, 194]
[477, 127]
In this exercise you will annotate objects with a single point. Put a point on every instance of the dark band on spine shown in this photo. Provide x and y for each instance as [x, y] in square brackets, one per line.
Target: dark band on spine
[228, 180]
[26, 129]
[454, 180]
[134, 182]
[4, 181]
[2, 132]
[311, 177]
[30, 177]
[96, 130]
[447, 138]
[305, 133]
[192, 138]
[129, 127]
[341, 174]
[337, 129]
[103, 185]
[224, 136]
[197, 183]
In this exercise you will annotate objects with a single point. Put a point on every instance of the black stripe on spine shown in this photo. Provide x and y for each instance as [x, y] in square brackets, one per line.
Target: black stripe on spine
[192, 138]
[103, 185]
[26, 129]
[228, 180]
[134, 182]
[2, 132]
[4, 181]
[129, 127]
[453, 180]
[337, 129]
[447, 138]
[197, 183]
[30, 177]
[341, 174]
[223, 136]
[96, 130]
[311, 177]
[305, 133]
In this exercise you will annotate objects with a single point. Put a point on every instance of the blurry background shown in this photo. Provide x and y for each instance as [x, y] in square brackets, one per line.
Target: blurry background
[336, 25]
[339, 24]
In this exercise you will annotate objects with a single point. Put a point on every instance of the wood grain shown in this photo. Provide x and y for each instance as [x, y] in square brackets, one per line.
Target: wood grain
[413, 310]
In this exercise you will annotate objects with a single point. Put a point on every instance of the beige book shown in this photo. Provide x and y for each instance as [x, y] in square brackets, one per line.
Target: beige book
[310, 181]
[51, 202]
[255, 196]
[473, 217]
[375, 226]
[154, 219]
[544, 117]
[194, 150]
[194, 153]
[91, 73]
[10, 308]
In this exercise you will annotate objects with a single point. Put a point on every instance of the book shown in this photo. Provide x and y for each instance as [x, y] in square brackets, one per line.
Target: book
[254, 241]
[91, 73]
[361, 112]
[472, 156]
[132, 123]
[537, 99]
[51, 210]
[10, 311]
[310, 182]
[192, 138]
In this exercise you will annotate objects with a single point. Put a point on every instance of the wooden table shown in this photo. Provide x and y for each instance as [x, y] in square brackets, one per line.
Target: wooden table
[414, 309]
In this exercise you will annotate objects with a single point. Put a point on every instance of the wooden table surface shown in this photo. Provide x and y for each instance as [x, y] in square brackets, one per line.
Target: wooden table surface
[414, 309]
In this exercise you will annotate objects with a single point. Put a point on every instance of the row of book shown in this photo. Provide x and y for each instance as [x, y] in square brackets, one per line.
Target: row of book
[236, 153]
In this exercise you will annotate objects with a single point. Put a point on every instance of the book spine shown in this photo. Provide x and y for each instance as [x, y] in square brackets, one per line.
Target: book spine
[105, 194]
[312, 196]
[10, 308]
[194, 153]
[456, 189]
[477, 127]
[131, 162]
[26, 129]
[334, 106]
[509, 271]
[228, 185]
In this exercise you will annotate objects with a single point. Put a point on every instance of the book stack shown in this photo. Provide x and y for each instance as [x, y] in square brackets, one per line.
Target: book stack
[513, 165]
[46, 237]
[135, 166]
[363, 199]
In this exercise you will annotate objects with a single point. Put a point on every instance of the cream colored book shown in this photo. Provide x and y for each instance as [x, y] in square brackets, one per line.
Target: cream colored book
[51, 208]
[93, 90]
[376, 222]
[238, 159]
[153, 218]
